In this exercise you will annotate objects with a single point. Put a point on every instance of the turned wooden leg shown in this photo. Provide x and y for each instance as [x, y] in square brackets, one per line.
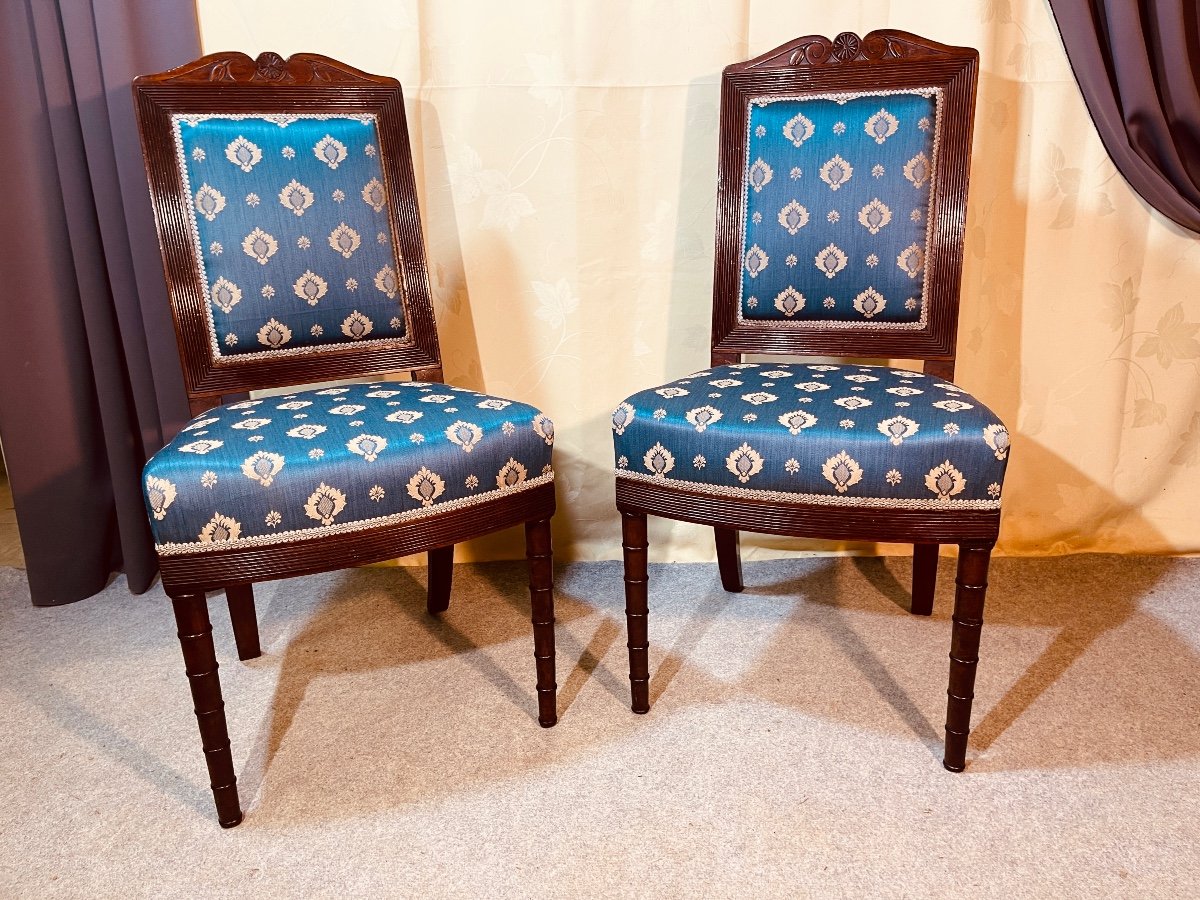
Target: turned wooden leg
[634, 543]
[729, 560]
[924, 578]
[971, 586]
[441, 576]
[245, 622]
[540, 552]
[200, 662]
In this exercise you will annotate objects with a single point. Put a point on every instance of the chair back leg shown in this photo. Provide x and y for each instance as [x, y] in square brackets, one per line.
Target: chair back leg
[729, 559]
[540, 552]
[441, 576]
[924, 578]
[970, 589]
[200, 662]
[245, 621]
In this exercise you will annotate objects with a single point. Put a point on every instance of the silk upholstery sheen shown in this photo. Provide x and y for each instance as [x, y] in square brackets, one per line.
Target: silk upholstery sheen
[818, 433]
[314, 462]
[836, 203]
[291, 224]
[566, 157]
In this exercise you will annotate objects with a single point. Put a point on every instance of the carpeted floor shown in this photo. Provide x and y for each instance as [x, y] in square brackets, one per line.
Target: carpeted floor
[793, 748]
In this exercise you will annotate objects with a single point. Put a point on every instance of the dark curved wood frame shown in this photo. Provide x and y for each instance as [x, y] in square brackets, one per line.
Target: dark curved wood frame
[235, 83]
[818, 65]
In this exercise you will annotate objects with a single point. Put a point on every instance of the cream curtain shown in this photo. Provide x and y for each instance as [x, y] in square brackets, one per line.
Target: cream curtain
[566, 155]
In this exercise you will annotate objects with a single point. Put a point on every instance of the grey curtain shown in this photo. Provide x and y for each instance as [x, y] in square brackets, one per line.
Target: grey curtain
[90, 383]
[1138, 65]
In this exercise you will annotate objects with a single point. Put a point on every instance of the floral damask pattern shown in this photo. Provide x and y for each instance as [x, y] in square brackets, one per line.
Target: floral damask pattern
[845, 435]
[848, 206]
[343, 458]
[312, 224]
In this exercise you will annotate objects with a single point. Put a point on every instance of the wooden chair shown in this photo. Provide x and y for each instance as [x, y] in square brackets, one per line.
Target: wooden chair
[287, 215]
[841, 205]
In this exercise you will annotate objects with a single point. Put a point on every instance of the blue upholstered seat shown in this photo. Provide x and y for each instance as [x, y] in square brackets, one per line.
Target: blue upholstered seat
[844, 435]
[339, 459]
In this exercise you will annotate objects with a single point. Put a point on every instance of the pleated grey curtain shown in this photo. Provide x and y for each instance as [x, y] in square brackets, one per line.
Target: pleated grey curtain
[90, 383]
[1138, 65]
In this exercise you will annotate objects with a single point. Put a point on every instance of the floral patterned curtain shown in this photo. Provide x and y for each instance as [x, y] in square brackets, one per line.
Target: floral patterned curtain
[89, 377]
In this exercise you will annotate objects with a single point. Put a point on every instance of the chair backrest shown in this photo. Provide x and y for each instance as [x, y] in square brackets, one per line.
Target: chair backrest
[287, 216]
[842, 198]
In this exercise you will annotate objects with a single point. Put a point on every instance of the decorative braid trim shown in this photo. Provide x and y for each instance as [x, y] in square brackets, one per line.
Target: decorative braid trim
[214, 345]
[300, 534]
[717, 490]
[937, 94]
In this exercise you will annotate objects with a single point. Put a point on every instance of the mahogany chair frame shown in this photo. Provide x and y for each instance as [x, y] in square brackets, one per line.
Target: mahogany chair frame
[814, 64]
[235, 83]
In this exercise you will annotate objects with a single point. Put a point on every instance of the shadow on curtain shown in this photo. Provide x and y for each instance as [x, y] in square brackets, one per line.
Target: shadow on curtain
[90, 383]
[1138, 66]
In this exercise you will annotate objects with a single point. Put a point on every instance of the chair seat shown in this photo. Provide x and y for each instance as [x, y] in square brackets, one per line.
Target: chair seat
[359, 456]
[842, 435]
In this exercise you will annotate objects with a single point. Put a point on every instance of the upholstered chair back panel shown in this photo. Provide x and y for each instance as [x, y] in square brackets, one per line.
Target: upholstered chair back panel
[836, 208]
[290, 221]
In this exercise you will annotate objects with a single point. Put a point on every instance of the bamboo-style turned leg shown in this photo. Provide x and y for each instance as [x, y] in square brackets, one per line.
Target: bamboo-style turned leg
[441, 576]
[539, 550]
[634, 543]
[240, 598]
[924, 578]
[729, 559]
[970, 588]
[200, 662]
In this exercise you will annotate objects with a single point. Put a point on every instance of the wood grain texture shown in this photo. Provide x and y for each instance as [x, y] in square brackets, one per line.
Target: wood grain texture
[883, 60]
[902, 526]
[234, 83]
[816, 50]
[215, 569]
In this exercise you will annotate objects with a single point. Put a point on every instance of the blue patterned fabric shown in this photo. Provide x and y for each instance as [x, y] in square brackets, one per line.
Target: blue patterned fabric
[339, 459]
[291, 226]
[836, 209]
[827, 434]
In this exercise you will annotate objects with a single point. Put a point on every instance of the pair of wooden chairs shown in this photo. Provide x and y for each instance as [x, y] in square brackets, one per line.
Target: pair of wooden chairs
[284, 198]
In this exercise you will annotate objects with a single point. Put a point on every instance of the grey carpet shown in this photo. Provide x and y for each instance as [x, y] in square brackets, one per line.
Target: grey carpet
[793, 747]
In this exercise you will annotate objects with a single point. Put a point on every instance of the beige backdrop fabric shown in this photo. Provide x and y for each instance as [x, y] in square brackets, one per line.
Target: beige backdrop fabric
[566, 157]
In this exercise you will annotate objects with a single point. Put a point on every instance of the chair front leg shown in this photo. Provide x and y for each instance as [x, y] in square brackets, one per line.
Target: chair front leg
[540, 552]
[200, 662]
[924, 578]
[729, 559]
[970, 589]
[441, 576]
[634, 544]
[245, 622]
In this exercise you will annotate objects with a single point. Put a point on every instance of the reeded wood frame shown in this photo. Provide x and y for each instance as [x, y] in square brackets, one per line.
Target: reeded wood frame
[815, 64]
[234, 83]
[883, 60]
